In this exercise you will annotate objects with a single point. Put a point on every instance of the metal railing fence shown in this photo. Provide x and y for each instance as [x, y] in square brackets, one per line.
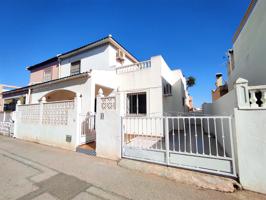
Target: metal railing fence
[203, 143]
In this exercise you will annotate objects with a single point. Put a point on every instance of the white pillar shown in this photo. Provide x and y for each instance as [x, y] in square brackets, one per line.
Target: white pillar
[100, 93]
[253, 99]
[4, 118]
[78, 110]
[43, 100]
[16, 117]
[263, 98]
[242, 94]
[28, 97]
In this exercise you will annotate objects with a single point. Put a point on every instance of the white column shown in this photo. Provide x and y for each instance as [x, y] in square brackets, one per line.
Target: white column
[253, 99]
[4, 118]
[78, 119]
[263, 98]
[43, 100]
[242, 94]
[28, 97]
[16, 117]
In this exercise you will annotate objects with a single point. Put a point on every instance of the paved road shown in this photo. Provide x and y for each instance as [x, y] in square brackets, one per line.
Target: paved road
[34, 171]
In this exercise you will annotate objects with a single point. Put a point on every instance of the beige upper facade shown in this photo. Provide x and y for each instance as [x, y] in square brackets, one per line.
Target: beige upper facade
[44, 73]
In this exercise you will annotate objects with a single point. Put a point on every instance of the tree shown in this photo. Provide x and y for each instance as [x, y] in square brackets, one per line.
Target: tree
[191, 81]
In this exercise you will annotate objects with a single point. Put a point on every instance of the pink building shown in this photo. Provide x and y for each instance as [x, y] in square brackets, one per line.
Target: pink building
[44, 71]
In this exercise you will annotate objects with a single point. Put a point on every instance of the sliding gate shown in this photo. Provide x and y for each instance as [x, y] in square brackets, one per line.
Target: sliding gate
[202, 143]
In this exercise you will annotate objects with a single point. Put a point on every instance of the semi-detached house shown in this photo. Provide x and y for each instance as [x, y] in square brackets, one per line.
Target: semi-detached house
[146, 88]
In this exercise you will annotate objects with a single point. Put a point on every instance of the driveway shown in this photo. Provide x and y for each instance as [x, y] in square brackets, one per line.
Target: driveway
[34, 171]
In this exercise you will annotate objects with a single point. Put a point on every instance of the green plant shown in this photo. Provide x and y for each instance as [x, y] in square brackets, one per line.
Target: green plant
[191, 81]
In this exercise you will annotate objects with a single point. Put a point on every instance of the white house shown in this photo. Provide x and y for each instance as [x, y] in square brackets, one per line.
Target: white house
[147, 88]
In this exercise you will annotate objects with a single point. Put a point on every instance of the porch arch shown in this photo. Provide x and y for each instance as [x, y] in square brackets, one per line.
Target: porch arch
[59, 95]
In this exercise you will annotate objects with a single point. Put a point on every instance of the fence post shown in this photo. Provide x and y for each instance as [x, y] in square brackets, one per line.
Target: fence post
[232, 146]
[242, 95]
[16, 118]
[43, 100]
[77, 104]
[166, 133]
[4, 118]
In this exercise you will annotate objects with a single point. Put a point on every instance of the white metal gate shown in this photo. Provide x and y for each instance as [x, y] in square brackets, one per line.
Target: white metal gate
[201, 143]
[88, 133]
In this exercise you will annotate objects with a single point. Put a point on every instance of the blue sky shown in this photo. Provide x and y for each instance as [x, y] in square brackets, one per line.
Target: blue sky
[192, 35]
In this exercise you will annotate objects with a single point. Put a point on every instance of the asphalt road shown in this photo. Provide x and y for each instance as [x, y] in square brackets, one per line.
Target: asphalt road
[39, 172]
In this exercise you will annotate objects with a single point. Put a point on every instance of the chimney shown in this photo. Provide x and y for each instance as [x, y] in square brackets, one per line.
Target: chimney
[219, 80]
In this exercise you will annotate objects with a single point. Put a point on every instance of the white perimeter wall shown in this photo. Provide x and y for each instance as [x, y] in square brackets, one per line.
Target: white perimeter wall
[30, 127]
[251, 142]
[250, 48]
[223, 106]
[108, 130]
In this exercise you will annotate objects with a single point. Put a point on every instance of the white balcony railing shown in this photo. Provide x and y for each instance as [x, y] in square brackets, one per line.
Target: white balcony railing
[133, 67]
[250, 97]
[257, 95]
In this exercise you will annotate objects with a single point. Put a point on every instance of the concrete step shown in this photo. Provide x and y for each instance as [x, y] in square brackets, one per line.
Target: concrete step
[86, 151]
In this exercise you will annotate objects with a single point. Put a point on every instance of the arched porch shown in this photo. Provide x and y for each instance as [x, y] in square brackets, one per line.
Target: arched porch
[59, 95]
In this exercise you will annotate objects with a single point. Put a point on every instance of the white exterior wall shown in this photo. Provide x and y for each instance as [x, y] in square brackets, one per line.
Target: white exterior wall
[224, 106]
[108, 130]
[251, 143]
[174, 103]
[250, 47]
[145, 80]
[112, 58]
[99, 58]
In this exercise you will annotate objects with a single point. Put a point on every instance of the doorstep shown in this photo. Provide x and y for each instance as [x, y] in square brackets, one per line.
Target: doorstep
[88, 149]
[198, 179]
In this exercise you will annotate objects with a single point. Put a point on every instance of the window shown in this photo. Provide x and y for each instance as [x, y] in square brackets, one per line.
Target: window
[137, 103]
[167, 89]
[75, 68]
[47, 75]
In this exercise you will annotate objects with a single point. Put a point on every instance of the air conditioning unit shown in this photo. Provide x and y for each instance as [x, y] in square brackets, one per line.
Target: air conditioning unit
[120, 55]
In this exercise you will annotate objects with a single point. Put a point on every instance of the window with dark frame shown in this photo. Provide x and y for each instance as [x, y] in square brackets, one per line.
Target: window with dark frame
[167, 89]
[137, 104]
[75, 68]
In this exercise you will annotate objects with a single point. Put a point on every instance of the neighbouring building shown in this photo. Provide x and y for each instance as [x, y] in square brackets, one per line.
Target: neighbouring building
[7, 104]
[221, 87]
[245, 100]
[247, 57]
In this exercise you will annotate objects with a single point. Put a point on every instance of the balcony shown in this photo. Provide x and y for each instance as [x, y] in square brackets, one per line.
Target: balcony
[133, 67]
[250, 97]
